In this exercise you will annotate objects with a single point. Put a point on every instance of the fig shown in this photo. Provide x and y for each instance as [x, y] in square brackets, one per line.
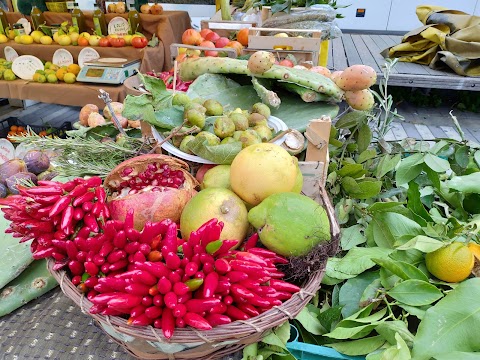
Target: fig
[228, 140]
[264, 132]
[249, 137]
[184, 144]
[17, 178]
[47, 175]
[10, 168]
[36, 161]
[3, 191]
[257, 119]
[237, 134]
[195, 118]
[261, 108]
[214, 108]
[194, 105]
[180, 99]
[212, 139]
[223, 127]
[240, 120]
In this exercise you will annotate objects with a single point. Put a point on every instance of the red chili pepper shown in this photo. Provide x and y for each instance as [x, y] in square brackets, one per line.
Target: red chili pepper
[142, 320]
[132, 234]
[91, 268]
[168, 323]
[210, 284]
[87, 206]
[281, 285]
[106, 248]
[91, 223]
[251, 242]
[153, 312]
[147, 233]
[172, 261]
[138, 310]
[180, 288]
[158, 300]
[223, 286]
[249, 309]
[103, 299]
[124, 301]
[222, 266]
[128, 222]
[97, 209]
[236, 276]
[79, 190]
[94, 181]
[131, 247]
[101, 195]
[196, 321]
[155, 256]
[87, 197]
[116, 255]
[219, 309]
[187, 250]
[236, 314]
[170, 300]
[76, 267]
[102, 288]
[147, 300]
[157, 269]
[245, 266]
[118, 265]
[96, 309]
[259, 301]
[241, 291]
[174, 277]
[144, 277]
[201, 305]
[246, 256]
[113, 283]
[194, 238]
[44, 191]
[218, 319]
[137, 289]
[137, 257]
[78, 214]
[180, 323]
[164, 285]
[42, 254]
[169, 243]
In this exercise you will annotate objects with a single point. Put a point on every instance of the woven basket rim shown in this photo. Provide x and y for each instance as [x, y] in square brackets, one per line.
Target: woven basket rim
[236, 330]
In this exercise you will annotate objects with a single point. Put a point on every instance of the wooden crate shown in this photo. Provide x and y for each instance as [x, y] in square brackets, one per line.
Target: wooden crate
[305, 49]
[174, 50]
[226, 28]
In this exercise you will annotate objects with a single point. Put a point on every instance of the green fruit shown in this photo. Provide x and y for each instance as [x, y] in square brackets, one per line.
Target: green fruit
[193, 105]
[297, 188]
[256, 119]
[184, 144]
[290, 224]
[214, 108]
[249, 137]
[262, 109]
[240, 120]
[195, 118]
[228, 140]
[212, 139]
[237, 134]
[217, 177]
[264, 132]
[180, 99]
[223, 127]
[9, 75]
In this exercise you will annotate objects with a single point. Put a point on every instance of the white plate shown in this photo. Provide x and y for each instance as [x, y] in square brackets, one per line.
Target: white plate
[118, 26]
[273, 122]
[26, 25]
[62, 57]
[112, 60]
[10, 53]
[25, 66]
[87, 54]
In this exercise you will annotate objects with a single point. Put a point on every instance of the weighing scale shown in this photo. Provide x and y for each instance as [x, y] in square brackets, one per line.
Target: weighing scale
[108, 70]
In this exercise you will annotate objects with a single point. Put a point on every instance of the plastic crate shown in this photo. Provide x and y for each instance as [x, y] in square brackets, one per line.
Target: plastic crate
[58, 132]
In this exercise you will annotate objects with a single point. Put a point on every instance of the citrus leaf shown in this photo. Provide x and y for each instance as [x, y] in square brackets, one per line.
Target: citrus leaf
[423, 243]
[389, 229]
[461, 156]
[330, 317]
[386, 164]
[385, 206]
[418, 311]
[436, 163]
[352, 170]
[408, 169]
[466, 183]
[351, 120]
[402, 269]
[366, 155]
[364, 137]
[476, 156]
[351, 237]
[457, 355]
[459, 314]
[399, 351]
[358, 347]
[310, 322]
[350, 329]
[415, 204]
[388, 329]
[351, 292]
[415, 292]
[219, 154]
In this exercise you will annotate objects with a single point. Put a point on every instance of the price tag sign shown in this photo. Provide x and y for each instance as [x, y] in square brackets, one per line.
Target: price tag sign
[7, 151]
[118, 26]
[62, 57]
[10, 53]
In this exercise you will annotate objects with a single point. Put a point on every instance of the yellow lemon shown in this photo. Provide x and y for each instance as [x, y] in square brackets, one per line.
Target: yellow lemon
[46, 40]
[69, 78]
[36, 35]
[74, 69]
[74, 37]
[128, 39]
[56, 36]
[11, 34]
[51, 78]
[64, 40]
[47, 65]
[3, 39]
[54, 67]
[18, 39]
[27, 39]
[451, 263]
[60, 74]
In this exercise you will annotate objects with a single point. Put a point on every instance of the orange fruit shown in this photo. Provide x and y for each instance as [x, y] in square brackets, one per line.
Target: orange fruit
[20, 129]
[452, 263]
[242, 36]
[13, 128]
[74, 69]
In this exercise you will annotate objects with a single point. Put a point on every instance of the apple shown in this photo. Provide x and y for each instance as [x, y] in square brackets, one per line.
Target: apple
[85, 34]
[222, 42]
[212, 36]
[205, 32]
[287, 63]
[94, 40]
[74, 37]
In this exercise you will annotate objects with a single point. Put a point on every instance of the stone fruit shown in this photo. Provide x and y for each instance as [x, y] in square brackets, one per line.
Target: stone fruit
[356, 77]
[156, 9]
[85, 112]
[154, 186]
[218, 203]
[195, 118]
[287, 63]
[260, 62]
[213, 107]
[122, 120]
[202, 170]
[264, 132]
[95, 119]
[249, 137]
[184, 144]
[262, 109]
[191, 37]
[180, 99]
[360, 99]
[10, 168]
[255, 119]
[205, 32]
[212, 139]
[290, 224]
[117, 109]
[17, 178]
[261, 170]
[217, 177]
[240, 121]
[223, 127]
[36, 161]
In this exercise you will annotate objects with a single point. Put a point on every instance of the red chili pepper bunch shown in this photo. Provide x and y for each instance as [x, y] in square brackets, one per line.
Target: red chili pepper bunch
[167, 77]
[157, 279]
[52, 212]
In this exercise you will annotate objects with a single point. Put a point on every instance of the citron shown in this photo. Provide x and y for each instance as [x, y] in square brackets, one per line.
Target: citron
[451, 263]
[46, 40]
[47, 65]
[56, 36]
[69, 78]
[73, 68]
[11, 34]
[9, 75]
[475, 249]
[36, 35]
[42, 78]
[52, 78]
[60, 74]
[18, 39]
[64, 40]
[3, 39]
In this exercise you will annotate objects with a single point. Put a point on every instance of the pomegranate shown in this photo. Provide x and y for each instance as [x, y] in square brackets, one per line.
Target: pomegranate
[156, 186]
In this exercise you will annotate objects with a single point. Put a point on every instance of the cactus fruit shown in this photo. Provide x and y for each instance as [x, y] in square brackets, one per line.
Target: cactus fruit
[260, 62]
[356, 77]
[360, 100]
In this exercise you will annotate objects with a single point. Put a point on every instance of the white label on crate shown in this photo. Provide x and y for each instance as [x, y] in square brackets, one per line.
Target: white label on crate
[7, 151]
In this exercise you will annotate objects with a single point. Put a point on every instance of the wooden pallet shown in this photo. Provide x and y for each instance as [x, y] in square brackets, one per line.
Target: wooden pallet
[365, 49]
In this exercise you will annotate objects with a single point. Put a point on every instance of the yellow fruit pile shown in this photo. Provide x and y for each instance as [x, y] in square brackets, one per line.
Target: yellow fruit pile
[6, 72]
[53, 73]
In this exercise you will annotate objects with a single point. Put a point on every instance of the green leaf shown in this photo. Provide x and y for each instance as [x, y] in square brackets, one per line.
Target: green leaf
[388, 279]
[408, 169]
[351, 237]
[386, 164]
[371, 291]
[414, 203]
[351, 292]
[385, 207]
[415, 292]
[398, 352]
[310, 322]
[388, 329]
[351, 120]
[459, 314]
[330, 317]
[432, 176]
[403, 270]
[283, 332]
[436, 163]
[139, 108]
[219, 154]
[208, 84]
[466, 183]
[476, 156]
[418, 311]
[351, 329]
[442, 144]
[363, 189]
[364, 137]
[461, 156]
[461, 355]
[366, 155]
[169, 117]
[356, 261]
[272, 339]
[155, 86]
[423, 243]
[358, 347]
[388, 229]
[353, 170]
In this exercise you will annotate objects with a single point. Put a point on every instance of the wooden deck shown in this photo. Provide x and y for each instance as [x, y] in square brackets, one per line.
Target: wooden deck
[353, 49]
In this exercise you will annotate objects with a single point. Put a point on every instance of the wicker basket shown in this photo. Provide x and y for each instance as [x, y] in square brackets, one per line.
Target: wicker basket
[59, 7]
[149, 343]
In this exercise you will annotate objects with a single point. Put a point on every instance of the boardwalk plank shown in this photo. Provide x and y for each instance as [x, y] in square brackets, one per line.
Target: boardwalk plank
[437, 132]
[339, 57]
[424, 132]
[451, 132]
[411, 130]
[375, 51]
[398, 131]
[365, 54]
[389, 136]
[350, 50]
